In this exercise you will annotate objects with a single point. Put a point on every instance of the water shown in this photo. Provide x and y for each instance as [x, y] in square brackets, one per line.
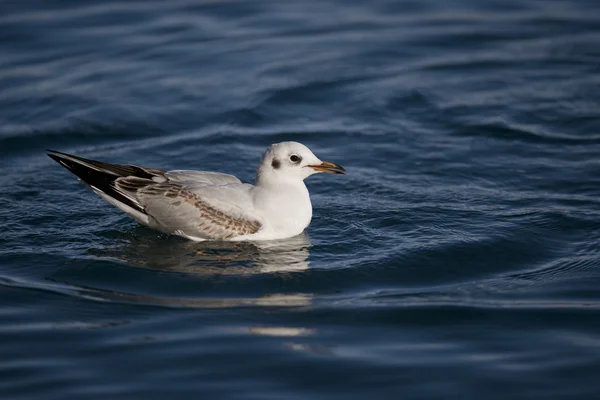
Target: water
[459, 258]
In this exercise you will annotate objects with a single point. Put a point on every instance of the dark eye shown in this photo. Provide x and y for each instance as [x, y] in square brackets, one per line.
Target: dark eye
[295, 159]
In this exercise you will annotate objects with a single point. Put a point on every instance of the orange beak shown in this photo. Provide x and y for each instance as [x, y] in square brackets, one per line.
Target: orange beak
[328, 167]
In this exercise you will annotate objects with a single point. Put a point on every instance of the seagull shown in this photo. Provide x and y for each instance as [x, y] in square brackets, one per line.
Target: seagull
[203, 205]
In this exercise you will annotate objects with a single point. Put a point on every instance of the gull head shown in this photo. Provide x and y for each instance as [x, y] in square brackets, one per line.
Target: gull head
[292, 161]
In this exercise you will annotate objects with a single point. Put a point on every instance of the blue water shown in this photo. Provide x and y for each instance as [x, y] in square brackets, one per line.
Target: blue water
[458, 258]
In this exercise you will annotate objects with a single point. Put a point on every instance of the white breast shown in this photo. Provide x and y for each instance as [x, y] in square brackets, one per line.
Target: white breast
[285, 210]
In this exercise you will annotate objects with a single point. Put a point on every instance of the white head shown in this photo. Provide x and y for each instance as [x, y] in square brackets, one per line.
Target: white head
[291, 161]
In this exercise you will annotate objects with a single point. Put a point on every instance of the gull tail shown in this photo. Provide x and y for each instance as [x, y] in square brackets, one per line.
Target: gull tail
[101, 177]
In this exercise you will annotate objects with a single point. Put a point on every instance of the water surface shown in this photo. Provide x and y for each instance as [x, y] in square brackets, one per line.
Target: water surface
[458, 258]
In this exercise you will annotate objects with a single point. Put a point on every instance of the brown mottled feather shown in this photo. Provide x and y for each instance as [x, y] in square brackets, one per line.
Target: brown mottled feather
[212, 222]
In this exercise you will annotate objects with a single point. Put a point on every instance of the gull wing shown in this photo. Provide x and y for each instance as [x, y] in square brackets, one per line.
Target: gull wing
[197, 204]
[208, 212]
[201, 177]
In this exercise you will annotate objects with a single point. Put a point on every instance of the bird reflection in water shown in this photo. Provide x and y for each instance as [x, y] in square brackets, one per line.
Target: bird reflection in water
[215, 258]
[209, 259]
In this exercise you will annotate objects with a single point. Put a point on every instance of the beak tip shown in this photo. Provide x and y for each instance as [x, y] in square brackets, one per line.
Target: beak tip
[326, 166]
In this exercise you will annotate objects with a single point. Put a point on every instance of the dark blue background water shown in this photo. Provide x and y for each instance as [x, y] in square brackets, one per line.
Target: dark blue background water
[458, 258]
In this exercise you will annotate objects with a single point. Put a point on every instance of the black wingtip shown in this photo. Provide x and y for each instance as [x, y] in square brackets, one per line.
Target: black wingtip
[53, 154]
[54, 157]
[57, 152]
[99, 180]
[62, 161]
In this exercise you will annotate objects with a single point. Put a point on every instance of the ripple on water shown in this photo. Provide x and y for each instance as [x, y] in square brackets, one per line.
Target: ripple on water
[458, 255]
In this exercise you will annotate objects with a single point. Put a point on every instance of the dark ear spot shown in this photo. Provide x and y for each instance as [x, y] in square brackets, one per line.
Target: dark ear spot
[276, 163]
